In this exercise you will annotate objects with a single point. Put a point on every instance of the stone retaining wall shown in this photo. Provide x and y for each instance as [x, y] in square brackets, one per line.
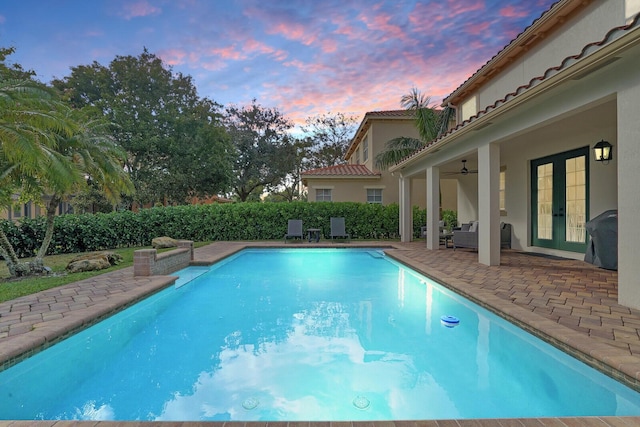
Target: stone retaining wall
[147, 262]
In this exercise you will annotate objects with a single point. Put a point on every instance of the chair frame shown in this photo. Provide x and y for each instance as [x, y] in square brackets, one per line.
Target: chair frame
[338, 229]
[294, 230]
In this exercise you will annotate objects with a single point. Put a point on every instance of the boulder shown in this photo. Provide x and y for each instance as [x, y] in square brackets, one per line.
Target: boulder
[93, 261]
[164, 242]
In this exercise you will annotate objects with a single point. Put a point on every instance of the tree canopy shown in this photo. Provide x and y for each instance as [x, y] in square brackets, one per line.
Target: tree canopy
[330, 135]
[175, 143]
[262, 146]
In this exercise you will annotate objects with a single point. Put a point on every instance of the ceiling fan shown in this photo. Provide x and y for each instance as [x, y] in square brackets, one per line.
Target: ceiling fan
[463, 170]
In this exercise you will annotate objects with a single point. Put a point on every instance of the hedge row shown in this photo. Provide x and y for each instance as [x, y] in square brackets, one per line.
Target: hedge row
[238, 221]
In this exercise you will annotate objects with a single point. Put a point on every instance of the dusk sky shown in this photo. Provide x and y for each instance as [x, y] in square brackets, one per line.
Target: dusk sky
[304, 57]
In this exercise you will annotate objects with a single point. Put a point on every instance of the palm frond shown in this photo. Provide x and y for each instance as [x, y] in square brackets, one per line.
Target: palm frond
[396, 150]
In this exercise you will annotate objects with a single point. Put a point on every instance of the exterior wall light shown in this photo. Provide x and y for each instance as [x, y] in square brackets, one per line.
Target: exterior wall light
[603, 152]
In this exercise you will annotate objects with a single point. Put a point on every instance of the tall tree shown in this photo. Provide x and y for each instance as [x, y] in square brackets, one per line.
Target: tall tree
[262, 148]
[299, 160]
[160, 121]
[429, 122]
[330, 135]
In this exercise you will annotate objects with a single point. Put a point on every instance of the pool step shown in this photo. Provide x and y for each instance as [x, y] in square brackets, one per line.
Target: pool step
[188, 274]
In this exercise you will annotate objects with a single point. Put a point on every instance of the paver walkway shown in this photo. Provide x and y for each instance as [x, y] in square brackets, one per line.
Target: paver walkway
[570, 303]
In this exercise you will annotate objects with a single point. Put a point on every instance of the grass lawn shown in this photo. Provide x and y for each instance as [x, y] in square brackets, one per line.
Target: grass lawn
[10, 289]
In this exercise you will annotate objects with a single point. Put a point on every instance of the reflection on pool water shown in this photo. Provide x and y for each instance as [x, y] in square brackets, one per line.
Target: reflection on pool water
[305, 334]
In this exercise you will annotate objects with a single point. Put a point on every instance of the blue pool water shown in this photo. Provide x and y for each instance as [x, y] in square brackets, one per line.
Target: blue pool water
[305, 334]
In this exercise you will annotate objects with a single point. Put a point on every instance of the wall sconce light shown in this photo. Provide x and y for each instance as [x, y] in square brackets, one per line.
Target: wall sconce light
[603, 152]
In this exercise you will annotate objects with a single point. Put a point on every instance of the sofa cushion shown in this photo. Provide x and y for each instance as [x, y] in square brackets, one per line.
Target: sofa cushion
[473, 227]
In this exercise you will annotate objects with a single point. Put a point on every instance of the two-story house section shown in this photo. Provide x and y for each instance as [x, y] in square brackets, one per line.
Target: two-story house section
[532, 122]
[359, 180]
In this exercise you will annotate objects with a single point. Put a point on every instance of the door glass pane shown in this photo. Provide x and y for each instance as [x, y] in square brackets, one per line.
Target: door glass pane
[545, 200]
[576, 202]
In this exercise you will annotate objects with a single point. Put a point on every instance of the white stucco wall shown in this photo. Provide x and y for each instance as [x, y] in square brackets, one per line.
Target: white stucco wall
[589, 26]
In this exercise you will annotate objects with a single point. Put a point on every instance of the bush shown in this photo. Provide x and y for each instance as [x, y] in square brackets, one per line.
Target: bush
[237, 221]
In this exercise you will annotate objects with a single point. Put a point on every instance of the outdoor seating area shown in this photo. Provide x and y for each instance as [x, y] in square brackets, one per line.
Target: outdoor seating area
[467, 236]
[295, 230]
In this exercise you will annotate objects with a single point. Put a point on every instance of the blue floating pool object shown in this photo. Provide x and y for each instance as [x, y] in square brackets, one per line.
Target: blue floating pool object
[250, 403]
[449, 321]
[361, 402]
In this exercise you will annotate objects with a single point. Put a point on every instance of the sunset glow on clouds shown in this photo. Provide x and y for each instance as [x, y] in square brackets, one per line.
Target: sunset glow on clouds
[302, 57]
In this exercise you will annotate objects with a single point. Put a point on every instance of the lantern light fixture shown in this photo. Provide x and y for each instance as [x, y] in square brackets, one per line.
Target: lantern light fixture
[603, 152]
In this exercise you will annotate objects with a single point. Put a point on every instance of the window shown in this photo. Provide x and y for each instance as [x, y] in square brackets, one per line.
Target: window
[374, 195]
[17, 210]
[358, 156]
[323, 194]
[27, 210]
[365, 149]
[503, 184]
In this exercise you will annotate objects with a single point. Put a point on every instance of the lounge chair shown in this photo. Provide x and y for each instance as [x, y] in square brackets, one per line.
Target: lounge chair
[338, 229]
[467, 237]
[294, 230]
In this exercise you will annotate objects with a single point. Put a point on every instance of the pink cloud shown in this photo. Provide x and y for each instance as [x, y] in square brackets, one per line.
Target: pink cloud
[306, 67]
[381, 24]
[227, 53]
[139, 9]
[456, 7]
[252, 45]
[512, 12]
[476, 28]
[292, 31]
[173, 56]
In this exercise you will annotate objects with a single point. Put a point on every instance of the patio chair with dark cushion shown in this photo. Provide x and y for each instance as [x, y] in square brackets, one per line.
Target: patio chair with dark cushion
[467, 236]
[338, 229]
[294, 230]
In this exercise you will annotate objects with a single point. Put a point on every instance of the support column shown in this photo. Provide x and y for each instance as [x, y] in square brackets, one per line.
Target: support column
[406, 215]
[627, 157]
[489, 204]
[433, 207]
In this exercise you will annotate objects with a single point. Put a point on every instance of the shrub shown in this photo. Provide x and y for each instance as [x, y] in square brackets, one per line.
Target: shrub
[237, 221]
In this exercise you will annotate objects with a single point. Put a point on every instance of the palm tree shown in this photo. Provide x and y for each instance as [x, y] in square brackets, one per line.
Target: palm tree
[430, 123]
[94, 157]
[30, 121]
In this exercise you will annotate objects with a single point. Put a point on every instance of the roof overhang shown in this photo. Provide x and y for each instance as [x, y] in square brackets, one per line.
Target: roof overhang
[605, 55]
[365, 124]
[539, 30]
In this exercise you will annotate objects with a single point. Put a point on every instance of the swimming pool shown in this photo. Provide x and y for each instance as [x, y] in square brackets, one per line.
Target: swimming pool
[328, 334]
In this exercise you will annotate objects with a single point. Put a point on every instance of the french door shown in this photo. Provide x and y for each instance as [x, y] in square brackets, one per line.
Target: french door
[560, 200]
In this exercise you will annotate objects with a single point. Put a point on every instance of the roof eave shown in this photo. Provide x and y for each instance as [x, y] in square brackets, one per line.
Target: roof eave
[535, 33]
[585, 65]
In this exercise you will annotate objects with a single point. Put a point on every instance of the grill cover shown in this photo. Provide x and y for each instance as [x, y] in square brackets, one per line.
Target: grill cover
[602, 250]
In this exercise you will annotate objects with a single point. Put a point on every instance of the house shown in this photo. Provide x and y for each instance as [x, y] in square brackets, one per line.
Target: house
[31, 210]
[359, 180]
[528, 122]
